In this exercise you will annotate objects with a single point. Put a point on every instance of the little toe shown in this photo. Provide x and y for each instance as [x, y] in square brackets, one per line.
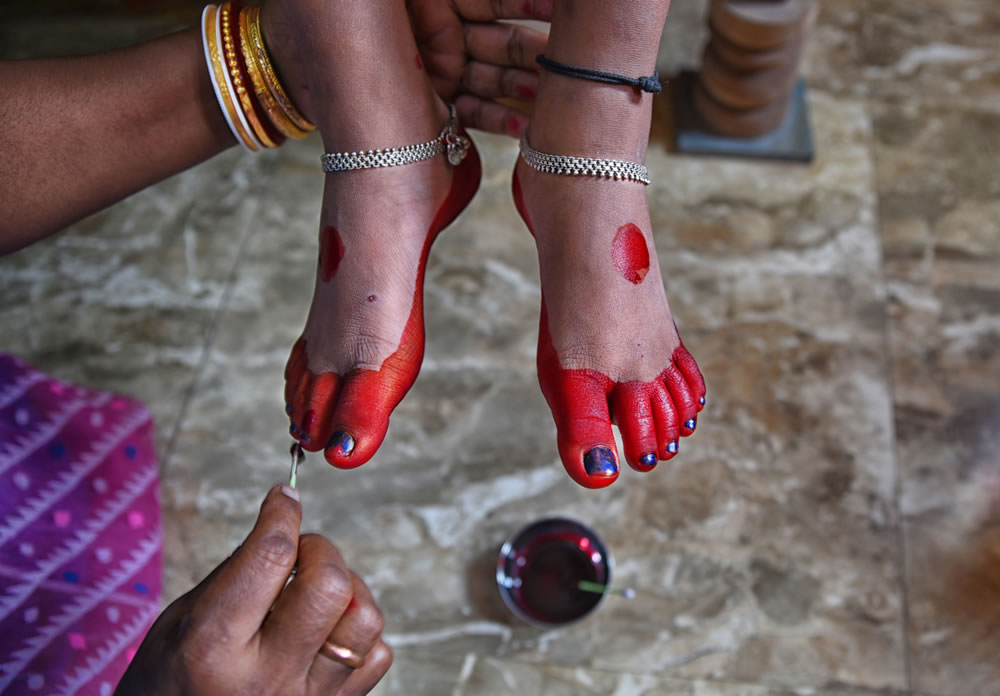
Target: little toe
[633, 413]
[684, 399]
[689, 368]
[667, 422]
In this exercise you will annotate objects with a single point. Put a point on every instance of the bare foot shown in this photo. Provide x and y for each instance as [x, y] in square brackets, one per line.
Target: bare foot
[608, 348]
[363, 341]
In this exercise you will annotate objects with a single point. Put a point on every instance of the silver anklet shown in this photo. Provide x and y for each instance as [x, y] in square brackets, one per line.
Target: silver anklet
[583, 166]
[449, 141]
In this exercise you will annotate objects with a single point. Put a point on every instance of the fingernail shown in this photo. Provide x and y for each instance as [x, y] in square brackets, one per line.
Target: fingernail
[648, 460]
[600, 461]
[288, 408]
[690, 424]
[342, 443]
[290, 492]
[701, 401]
[672, 447]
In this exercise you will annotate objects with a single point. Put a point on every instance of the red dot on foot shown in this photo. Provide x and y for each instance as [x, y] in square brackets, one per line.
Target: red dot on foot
[420, 63]
[331, 251]
[630, 253]
[526, 93]
[513, 125]
[371, 298]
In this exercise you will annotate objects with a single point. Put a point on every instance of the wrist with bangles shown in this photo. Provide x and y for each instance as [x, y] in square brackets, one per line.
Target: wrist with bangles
[256, 107]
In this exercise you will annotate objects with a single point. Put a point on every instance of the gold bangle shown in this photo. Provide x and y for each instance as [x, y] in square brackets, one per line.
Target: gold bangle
[278, 118]
[220, 78]
[273, 84]
[235, 74]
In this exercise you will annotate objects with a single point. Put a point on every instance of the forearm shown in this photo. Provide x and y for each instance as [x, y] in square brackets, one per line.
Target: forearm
[79, 134]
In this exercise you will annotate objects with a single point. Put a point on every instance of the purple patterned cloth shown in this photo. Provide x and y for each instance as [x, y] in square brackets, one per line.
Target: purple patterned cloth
[80, 534]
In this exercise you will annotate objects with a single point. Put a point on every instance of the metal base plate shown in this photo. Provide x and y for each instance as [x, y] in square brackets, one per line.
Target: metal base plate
[792, 141]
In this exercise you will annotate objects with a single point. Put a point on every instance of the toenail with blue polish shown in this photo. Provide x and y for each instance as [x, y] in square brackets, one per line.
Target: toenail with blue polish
[288, 408]
[672, 447]
[600, 461]
[342, 441]
[690, 424]
[648, 460]
[701, 401]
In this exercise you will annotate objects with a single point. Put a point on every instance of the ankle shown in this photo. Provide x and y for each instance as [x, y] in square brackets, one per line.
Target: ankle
[590, 119]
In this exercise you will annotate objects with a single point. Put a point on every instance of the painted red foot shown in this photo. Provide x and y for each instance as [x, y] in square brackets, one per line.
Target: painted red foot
[347, 415]
[651, 415]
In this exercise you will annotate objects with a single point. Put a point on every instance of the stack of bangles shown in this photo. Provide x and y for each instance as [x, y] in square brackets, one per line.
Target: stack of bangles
[255, 105]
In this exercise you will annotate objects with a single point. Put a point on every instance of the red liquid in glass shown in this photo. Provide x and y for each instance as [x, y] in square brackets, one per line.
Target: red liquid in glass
[549, 570]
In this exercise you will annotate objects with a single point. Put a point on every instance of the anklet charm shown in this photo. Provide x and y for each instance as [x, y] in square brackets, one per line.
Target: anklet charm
[449, 142]
[619, 170]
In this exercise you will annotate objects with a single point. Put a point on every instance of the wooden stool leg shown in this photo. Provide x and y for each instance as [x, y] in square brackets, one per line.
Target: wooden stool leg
[750, 64]
[747, 99]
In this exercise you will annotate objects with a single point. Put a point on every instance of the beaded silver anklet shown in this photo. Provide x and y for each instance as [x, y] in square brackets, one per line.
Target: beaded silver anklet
[449, 141]
[619, 170]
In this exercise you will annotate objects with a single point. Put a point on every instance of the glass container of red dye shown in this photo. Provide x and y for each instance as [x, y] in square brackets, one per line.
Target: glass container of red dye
[540, 568]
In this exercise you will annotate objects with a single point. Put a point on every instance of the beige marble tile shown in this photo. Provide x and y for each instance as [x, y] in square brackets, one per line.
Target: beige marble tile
[473, 675]
[938, 188]
[764, 553]
[124, 300]
[943, 51]
[496, 676]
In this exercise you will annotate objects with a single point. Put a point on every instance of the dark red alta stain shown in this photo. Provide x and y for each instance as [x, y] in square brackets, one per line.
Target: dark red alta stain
[331, 251]
[420, 63]
[630, 253]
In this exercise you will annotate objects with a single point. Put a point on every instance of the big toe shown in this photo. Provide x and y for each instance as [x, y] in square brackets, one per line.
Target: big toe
[360, 421]
[579, 403]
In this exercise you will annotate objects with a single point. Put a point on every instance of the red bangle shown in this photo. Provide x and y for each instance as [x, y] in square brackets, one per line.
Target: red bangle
[241, 79]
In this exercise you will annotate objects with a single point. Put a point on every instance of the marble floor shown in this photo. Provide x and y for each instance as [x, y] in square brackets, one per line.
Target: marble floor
[832, 529]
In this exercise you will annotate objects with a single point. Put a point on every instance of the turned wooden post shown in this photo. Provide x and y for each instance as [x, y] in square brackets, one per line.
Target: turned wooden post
[750, 64]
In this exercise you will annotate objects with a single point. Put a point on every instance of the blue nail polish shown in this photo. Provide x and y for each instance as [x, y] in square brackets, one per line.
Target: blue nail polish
[600, 461]
[288, 408]
[341, 441]
[305, 438]
[690, 424]
[701, 401]
[672, 447]
[293, 429]
[648, 461]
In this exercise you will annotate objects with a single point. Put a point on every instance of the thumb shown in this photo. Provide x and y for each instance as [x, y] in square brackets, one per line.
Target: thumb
[246, 586]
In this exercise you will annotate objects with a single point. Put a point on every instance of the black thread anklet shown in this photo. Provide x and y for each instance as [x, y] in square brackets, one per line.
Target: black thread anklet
[646, 84]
